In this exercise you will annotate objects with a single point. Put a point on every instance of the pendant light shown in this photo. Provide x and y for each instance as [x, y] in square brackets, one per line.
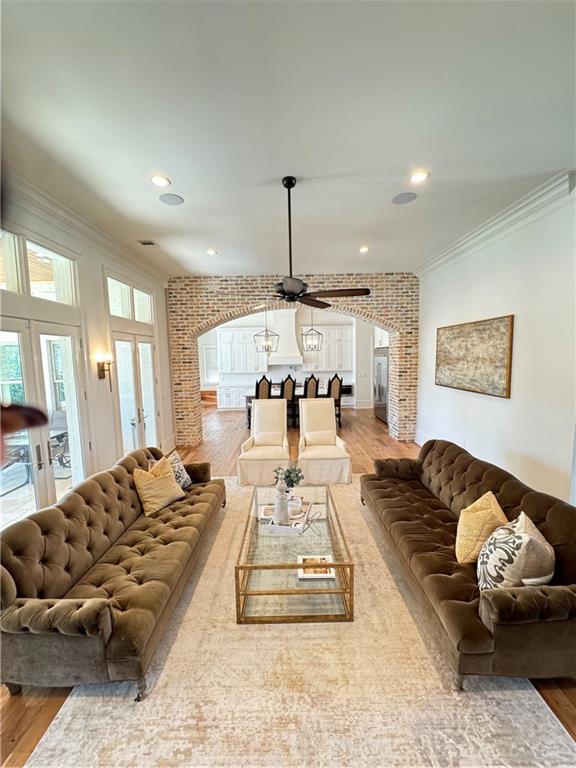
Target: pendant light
[311, 339]
[266, 340]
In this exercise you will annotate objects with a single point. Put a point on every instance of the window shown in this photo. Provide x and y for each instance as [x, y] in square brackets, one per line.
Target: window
[8, 262]
[142, 306]
[11, 379]
[51, 275]
[119, 298]
[57, 382]
[126, 301]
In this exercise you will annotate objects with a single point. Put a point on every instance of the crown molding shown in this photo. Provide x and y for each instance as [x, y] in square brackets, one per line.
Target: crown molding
[32, 199]
[552, 192]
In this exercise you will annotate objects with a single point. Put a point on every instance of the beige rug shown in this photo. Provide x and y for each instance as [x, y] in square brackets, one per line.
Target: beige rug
[363, 694]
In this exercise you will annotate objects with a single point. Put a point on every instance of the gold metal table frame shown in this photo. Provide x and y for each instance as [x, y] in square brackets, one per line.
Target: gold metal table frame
[268, 590]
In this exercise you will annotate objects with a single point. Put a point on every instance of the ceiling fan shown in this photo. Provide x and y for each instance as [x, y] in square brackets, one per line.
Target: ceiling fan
[292, 288]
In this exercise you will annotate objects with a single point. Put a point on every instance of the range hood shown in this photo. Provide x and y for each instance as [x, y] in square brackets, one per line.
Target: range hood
[288, 352]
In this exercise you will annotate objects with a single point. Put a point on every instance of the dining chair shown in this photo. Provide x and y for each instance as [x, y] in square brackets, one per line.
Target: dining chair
[334, 392]
[311, 387]
[288, 393]
[263, 389]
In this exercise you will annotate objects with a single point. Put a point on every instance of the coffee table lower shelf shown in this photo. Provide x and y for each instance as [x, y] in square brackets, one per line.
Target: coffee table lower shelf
[277, 603]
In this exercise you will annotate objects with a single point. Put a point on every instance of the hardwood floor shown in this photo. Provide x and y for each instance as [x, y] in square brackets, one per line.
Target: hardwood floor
[225, 431]
[25, 717]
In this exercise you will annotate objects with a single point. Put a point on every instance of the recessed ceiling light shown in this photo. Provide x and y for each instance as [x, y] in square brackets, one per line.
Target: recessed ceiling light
[160, 181]
[404, 197]
[211, 252]
[170, 199]
[364, 249]
[419, 177]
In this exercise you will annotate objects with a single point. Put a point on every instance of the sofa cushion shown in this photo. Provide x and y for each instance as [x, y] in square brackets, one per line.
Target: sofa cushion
[475, 525]
[157, 487]
[138, 573]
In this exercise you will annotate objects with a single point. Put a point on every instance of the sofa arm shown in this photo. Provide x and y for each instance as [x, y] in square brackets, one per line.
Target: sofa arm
[402, 469]
[527, 605]
[199, 472]
[91, 616]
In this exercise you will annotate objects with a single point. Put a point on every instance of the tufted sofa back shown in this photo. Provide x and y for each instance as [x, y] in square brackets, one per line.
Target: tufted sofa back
[45, 554]
[457, 478]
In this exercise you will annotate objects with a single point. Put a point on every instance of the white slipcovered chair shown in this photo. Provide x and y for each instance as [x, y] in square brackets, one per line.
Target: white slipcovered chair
[323, 457]
[267, 448]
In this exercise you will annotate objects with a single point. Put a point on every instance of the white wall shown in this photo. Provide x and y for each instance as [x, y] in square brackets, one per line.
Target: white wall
[527, 271]
[31, 213]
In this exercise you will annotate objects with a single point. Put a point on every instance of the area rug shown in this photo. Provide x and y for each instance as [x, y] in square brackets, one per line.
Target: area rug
[367, 693]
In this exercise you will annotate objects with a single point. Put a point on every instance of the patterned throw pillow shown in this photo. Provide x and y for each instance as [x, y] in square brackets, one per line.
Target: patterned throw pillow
[475, 524]
[515, 555]
[182, 477]
[157, 488]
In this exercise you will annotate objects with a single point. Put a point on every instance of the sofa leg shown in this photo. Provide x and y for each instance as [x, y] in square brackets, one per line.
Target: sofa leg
[14, 688]
[362, 500]
[141, 689]
[224, 503]
[458, 683]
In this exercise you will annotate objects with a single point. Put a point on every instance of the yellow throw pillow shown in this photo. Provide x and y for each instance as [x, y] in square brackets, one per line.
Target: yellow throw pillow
[475, 525]
[158, 487]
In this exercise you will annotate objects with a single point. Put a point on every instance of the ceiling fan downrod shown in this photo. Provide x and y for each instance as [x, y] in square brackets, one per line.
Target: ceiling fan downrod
[289, 182]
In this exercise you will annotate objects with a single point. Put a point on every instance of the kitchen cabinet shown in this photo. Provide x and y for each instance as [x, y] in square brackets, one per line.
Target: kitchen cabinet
[233, 398]
[337, 353]
[237, 352]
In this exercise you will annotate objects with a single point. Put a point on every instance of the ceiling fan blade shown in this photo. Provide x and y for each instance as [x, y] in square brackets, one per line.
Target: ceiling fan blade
[341, 292]
[306, 299]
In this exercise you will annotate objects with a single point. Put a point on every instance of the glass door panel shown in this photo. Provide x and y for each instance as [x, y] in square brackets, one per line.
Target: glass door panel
[147, 393]
[62, 407]
[124, 355]
[18, 480]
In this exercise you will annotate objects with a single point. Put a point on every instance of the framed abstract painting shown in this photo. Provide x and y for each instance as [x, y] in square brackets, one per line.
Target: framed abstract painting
[476, 357]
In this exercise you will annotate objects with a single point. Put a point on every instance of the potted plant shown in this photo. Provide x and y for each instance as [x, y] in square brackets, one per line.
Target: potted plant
[292, 476]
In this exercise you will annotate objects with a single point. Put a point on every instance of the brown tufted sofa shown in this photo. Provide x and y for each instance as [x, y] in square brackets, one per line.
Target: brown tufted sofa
[87, 586]
[525, 631]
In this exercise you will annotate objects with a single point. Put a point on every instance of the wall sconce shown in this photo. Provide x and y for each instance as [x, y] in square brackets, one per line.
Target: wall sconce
[103, 365]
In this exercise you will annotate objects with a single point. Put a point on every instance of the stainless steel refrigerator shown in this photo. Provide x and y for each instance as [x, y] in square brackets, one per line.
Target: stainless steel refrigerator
[381, 383]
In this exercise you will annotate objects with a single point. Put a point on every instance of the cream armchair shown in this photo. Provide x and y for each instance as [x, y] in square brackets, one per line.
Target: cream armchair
[267, 448]
[323, 457]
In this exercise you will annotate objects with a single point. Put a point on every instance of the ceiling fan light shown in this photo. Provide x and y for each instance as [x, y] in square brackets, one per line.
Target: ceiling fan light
[312, 340]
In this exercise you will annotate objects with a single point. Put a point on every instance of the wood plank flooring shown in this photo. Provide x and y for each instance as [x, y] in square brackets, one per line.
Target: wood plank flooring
[25, 717]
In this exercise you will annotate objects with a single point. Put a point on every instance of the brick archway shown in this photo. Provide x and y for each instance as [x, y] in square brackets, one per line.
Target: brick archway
[198, 304]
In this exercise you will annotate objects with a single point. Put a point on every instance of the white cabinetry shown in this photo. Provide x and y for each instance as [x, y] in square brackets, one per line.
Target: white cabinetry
[233, 398]
[337, 353]
[237, 352]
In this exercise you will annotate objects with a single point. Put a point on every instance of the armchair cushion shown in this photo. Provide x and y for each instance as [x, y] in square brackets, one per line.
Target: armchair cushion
[320, 437]
[268, 438]
[263, 452]
[91, 617]
[323, 452]
[525, 605]
[402, 469]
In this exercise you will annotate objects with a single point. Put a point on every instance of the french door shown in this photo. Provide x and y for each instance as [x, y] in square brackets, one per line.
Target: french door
[136, 390]
[40, 364]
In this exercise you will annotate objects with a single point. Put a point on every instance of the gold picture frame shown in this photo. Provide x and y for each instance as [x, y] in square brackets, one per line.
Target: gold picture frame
[476, 356]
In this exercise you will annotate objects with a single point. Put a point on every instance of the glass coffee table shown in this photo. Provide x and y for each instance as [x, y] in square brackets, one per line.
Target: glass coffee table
[304, 574]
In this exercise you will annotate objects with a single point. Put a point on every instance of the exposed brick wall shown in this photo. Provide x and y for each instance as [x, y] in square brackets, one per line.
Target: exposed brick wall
[197, 304]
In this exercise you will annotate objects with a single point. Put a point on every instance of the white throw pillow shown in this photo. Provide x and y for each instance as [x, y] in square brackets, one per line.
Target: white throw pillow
[268, 438]
[182, 477]
[514, 555]
[324, 437]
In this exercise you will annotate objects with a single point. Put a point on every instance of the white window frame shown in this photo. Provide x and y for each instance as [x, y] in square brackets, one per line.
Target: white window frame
[137, 325]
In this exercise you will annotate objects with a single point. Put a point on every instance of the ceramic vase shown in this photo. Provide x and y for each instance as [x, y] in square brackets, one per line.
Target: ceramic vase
[281, 512]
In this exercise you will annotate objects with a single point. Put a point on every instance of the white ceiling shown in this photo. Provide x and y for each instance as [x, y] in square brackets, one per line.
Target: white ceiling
[347, 96]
